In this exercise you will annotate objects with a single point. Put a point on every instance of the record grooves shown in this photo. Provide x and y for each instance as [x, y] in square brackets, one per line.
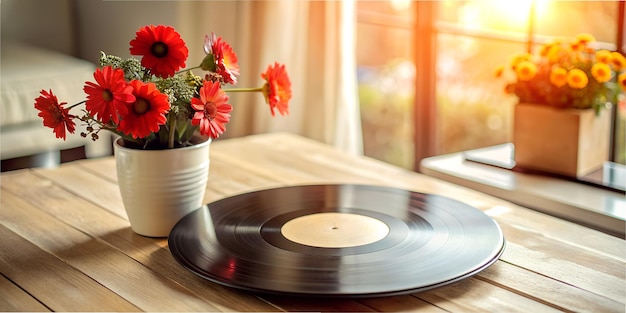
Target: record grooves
[359, 241]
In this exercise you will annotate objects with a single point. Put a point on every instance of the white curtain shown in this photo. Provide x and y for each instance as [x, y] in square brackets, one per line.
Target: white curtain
[316, 42]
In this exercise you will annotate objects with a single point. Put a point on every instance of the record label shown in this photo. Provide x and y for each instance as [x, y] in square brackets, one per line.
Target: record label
[334, 230]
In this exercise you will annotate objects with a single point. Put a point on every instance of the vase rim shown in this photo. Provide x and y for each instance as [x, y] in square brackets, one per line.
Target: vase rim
[204, 141]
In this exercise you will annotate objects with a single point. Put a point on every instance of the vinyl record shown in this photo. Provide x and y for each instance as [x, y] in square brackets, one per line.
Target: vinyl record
[336, 241]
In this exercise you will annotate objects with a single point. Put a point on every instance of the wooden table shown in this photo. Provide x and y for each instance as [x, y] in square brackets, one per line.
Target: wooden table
[66, 244]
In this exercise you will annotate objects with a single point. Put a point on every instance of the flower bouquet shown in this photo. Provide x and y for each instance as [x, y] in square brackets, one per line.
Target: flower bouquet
[157, 109]
[151, 103]
[568, 75]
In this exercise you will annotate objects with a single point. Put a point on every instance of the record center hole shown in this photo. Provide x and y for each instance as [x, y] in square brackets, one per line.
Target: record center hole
[334, 230]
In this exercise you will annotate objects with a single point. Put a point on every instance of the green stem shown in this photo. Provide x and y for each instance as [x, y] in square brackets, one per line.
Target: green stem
[170, 143]
[188, 69]
[76, 104]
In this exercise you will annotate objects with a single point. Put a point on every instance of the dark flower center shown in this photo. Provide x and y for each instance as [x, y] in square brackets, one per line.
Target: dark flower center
[159, 49]
[107, 95]
[57, 115]
[141, 106]
[210, 111]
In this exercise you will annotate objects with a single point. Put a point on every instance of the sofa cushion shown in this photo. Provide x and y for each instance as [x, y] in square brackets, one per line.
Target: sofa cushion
[26, 70]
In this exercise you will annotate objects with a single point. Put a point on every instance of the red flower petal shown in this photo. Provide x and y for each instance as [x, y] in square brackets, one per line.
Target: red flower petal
[146, 113]
[108, 99]
[54, 115]
[225, 58]
[212, 110]
[162, 48]
[277, 90]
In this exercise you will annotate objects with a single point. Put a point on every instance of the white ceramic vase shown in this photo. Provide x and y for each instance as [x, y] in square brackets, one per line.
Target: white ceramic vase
[159, 187]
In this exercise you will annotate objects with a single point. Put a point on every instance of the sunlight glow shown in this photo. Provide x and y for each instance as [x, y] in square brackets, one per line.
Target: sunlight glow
[497, 210]
[400, 5]
[517, 10]
[500, 14]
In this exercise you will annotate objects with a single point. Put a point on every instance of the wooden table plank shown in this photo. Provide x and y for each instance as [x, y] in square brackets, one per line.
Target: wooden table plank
[106, 194]
[401, 304]
[103, 167]
[14, 298]
[305, 304]
[567, 270]
[559, 230]
[546, 290]
[38, 272]
[474, 295]
[97, 260]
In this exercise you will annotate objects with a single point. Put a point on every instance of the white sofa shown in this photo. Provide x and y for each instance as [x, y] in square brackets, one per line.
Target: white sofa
[29, 64]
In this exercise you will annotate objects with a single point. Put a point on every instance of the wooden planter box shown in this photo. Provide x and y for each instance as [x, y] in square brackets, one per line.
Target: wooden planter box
[568, 142]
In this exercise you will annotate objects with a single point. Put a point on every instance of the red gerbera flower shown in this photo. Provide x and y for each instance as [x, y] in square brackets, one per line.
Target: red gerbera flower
[108, 98]
[54, 115]
[147, 113]
[212, 111]
[224, 57]
[162, 48]
[277, 90]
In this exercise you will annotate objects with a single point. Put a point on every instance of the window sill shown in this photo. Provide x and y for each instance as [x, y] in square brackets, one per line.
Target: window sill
[591, 206]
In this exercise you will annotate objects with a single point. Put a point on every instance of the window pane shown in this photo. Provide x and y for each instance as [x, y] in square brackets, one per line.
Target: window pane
[473, 109]
[568, 18]
[386, 78]
[509, 16]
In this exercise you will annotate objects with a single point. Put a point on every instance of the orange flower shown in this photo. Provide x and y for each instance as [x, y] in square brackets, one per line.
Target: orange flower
[601, 72]
[585, 38]
[526, 70]
[162, 48]
[211, 110]
[604, 56]
[577, 79]
[54, 115]
[518, 58]
[147, 113]
[618, 61]
[558, 76]
[577, 46]
[544, 49]
[554, 53]
[277, 90]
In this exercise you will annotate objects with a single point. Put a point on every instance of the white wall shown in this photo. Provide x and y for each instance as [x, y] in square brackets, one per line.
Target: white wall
[48, 24]
[109, 26]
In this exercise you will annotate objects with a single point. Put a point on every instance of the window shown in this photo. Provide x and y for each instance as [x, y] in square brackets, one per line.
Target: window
[386, 75]
[451, 49]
